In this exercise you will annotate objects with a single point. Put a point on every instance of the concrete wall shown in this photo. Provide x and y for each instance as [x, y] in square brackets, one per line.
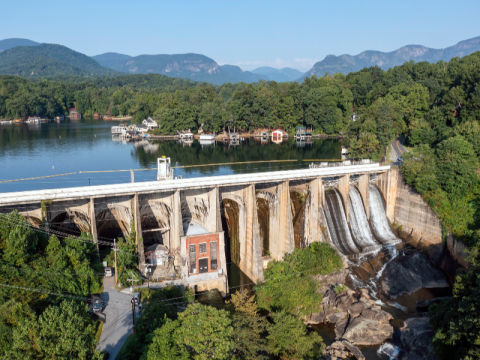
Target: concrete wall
[419, 222]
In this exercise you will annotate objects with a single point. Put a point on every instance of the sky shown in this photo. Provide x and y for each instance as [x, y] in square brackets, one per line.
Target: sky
[249, 34]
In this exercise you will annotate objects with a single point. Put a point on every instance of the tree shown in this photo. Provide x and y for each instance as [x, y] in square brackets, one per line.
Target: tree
[60, 332]
[288, 338]
[456, 165]
[419, 168]
[248, 327]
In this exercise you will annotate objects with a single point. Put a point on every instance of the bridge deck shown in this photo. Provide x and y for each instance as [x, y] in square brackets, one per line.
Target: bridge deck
[182, 184]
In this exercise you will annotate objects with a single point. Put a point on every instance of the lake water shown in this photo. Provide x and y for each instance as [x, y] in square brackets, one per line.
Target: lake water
[35, 150]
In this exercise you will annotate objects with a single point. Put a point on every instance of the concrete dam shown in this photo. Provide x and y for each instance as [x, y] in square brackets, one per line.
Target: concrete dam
[195, 226]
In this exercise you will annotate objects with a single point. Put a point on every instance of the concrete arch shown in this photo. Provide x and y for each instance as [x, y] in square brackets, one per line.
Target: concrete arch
[267, 219]
[195, 208]
[71, 219]
[156, 215]
[242, 223]
[114, 218]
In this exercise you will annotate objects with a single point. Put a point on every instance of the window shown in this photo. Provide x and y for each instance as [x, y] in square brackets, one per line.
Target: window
[193, 258]
[203, 248]
[213, 255]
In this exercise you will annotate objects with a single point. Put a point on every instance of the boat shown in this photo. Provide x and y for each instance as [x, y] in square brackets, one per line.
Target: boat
[207, 137]
[5, 121]
[119, 130]
[186, 135]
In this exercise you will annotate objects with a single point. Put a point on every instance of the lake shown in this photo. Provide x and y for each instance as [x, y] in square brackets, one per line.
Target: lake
[36, 150]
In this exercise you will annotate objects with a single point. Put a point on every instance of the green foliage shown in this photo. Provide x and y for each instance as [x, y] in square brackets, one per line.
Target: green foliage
[38, 338]
[288, 338]
[340, 288]
[200, 332]
[456, 321]
[296, 271]
[248, 327]
[456, 165]
[420, 169]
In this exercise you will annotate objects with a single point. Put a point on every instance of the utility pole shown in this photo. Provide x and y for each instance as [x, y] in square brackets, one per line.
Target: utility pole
[132, 177]
[133, 280]
[147, 270]
[115, 251]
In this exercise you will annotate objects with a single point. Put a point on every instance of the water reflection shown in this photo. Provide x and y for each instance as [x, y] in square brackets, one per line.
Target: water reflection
[41, 149]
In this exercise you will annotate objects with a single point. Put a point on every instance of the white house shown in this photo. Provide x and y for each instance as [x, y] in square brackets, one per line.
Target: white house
[141, 128]
[278, 133]
[151, 124]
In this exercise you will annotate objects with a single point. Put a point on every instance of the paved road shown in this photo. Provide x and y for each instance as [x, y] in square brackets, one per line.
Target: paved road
[118, 325]
[398, 147]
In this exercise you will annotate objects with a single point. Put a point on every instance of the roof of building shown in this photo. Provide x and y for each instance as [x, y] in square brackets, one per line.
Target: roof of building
[150, 120]
[141, 126]
[192, 228]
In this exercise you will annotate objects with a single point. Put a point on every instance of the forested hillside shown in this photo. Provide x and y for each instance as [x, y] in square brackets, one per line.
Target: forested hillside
[10, 43]
[49, 60]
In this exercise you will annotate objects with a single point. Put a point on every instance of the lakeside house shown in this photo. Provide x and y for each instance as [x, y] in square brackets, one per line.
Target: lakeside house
[278, 134]
[301, 132]
[33, 119]
[141, 128]
[96, 116]
[151, 124]
[74, 114]
[59, 118]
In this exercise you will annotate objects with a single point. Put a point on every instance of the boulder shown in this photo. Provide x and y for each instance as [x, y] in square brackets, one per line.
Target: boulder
[376, 315]
[342, 350]
[415, 338]
[344, 302]
[410, 273]
[336, 317]
[337, 277]
[362, 331]
[357, 307]
[364, 293]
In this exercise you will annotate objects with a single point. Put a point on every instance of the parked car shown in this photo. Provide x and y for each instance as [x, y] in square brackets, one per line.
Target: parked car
[96, 304]
[108, 272]
[400, 159]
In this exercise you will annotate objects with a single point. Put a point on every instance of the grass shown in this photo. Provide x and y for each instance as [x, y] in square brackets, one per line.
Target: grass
[99, 332]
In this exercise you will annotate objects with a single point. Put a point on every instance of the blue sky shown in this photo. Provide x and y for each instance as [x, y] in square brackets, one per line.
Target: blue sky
[245, 33]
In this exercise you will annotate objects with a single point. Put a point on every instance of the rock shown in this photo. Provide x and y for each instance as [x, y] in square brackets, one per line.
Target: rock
[376, 315]
[356, 308]
[338, 277]
[407, 274]
[344, 302]
[340, 327]
[342, 350]
[362, 331]
[353, 350]
[364, 293]
[426, 303]
[316, 318]
[336, 317]
[416, 338]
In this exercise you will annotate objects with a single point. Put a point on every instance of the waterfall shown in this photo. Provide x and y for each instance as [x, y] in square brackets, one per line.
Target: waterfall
[337, 223]
[359, 223]
[378, 218]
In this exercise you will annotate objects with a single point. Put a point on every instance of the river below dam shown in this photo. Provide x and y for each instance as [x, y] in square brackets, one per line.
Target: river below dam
[45, 149]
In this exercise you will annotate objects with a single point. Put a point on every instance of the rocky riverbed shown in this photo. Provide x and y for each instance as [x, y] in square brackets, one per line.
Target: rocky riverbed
[365, 316]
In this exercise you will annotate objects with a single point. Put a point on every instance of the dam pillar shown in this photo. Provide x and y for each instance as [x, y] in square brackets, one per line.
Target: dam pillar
[312, 224]
[218, 213]
[363, 188]
[387, 183]
[252, 256]
[93, 224]
[177, 225]
[344, 188]
[138, 232]
[286, 239]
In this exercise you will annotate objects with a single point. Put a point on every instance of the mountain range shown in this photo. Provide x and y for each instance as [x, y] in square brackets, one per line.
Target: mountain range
[191, 66]
[28, 58]
[49, 60]
[385, 60]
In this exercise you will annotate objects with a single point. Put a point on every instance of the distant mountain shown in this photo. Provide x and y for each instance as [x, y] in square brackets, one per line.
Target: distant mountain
[240, 75]
[11, 43]
[347, 63]
[49, 60]
[279, 75]
[190, 66]
[111, 60]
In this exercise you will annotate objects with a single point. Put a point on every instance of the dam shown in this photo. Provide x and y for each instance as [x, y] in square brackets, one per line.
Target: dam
[195, 226]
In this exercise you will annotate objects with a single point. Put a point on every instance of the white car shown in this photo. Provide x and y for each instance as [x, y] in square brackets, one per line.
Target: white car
[108, 272]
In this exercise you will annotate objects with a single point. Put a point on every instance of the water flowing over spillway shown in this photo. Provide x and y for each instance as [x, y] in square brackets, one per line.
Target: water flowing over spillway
[337, 223]
[378, 218]
[359, 223]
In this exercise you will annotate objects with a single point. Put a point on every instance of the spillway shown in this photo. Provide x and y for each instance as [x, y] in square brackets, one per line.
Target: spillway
[359, 223]
[337, 223]
[378, 218]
